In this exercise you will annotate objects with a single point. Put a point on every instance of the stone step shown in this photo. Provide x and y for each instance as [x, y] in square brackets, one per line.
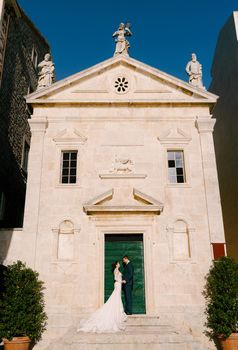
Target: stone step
[132, 342]
[148, 329]
[142, 320]
[137, 331]
[142, 346]
[141, 333]
[135, 346]
[135, 337]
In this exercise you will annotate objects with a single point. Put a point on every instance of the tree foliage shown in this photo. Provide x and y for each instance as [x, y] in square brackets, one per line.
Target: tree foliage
[22, 305]
[221, 294]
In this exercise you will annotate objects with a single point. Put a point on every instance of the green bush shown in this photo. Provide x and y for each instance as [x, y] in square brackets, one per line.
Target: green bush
[221, 294]
[22, 305]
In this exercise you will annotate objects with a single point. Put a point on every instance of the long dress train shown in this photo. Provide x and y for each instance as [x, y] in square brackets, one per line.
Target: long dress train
[111, 316]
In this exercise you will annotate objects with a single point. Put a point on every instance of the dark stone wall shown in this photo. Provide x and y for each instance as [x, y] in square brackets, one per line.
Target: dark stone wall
[19, 75]
[225, 85]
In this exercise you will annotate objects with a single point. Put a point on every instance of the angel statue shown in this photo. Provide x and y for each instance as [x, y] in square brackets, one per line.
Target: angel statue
[122, 45]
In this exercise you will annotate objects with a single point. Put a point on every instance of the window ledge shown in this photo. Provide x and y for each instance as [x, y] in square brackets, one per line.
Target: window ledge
[72, 262]
[183, 261]
[67, 186]
[179, 185]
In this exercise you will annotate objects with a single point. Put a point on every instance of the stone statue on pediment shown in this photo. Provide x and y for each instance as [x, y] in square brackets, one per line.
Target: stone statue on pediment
[46, 72]
[122, 45]
[194, 70]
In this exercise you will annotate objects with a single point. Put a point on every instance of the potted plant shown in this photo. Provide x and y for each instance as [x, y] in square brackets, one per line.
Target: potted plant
[22, 316]
[221, 294]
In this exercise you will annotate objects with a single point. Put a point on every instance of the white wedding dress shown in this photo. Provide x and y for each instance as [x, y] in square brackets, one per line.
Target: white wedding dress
[111, 316]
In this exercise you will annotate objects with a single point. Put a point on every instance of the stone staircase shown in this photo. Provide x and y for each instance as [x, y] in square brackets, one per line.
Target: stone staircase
[142, 333]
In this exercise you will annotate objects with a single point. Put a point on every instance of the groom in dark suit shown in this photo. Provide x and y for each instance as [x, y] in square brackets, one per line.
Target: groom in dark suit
[127, 281]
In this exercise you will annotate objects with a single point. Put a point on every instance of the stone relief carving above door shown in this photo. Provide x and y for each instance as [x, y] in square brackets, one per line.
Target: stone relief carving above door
[122, 166]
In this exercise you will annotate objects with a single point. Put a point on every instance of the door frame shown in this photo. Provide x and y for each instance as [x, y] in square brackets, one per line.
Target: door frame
[128, 225]
[143, 264]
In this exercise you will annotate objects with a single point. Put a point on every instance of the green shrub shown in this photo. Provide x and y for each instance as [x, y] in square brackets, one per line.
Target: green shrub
[22, 305]
[221, 294]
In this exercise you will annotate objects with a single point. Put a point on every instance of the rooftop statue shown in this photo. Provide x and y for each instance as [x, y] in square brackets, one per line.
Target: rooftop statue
[122, 45]
[194, 70]
[46, 72]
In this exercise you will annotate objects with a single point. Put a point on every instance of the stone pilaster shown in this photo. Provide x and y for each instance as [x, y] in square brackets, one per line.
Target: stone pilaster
[38, 128]
[205, 127]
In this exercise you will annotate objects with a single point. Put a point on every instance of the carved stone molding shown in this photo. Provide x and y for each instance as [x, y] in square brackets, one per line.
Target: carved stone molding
[174, 136]
[205, 124]
[105, 196]
[140, 91]
[123, 176]
[143, 204]
[70, 137]
[38, 125]
[89, 91]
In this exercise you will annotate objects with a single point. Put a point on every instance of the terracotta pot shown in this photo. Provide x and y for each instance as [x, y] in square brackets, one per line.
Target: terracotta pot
[230, 343]
[17, 343]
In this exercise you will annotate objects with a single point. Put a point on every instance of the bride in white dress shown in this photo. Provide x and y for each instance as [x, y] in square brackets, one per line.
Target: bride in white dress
[111, 316]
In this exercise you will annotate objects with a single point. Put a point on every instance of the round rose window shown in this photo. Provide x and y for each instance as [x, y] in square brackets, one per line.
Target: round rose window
[121, 85]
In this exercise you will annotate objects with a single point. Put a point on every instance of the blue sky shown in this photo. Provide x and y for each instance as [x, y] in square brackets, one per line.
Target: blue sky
[165, 33]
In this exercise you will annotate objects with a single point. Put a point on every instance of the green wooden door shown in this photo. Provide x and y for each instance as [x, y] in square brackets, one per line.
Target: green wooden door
[117, 245]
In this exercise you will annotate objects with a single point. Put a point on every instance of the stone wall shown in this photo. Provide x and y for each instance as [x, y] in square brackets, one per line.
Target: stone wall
[18, 79]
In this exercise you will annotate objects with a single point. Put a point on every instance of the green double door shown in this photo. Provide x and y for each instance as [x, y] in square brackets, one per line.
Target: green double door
[117, 245]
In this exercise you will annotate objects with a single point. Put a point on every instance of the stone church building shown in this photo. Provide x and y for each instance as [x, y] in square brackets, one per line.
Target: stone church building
[121, 162]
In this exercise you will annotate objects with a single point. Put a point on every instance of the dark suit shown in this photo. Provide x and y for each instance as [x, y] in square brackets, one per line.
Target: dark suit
[128, 286]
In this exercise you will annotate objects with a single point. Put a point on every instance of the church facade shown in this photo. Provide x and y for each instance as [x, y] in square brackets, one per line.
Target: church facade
[121, 162]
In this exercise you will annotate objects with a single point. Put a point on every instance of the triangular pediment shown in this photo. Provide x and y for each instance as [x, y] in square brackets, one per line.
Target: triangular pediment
[69, 136]
[133, 202]
[174, 135]
[121, 80]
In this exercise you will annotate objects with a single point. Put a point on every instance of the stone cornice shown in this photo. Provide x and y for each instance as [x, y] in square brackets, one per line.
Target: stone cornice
[126, 102]
[105, 118]
[91, 209]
